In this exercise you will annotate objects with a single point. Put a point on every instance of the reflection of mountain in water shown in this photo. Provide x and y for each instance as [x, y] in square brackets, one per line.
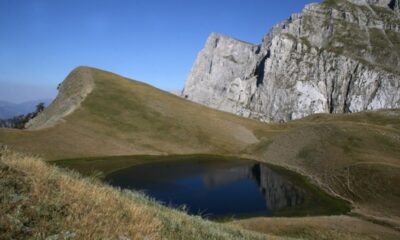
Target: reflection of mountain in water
[222, 177]
[278, 192]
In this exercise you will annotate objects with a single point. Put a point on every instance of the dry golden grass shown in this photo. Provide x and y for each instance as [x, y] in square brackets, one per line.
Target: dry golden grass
[55, 203]
[318, 228]
[39, 201]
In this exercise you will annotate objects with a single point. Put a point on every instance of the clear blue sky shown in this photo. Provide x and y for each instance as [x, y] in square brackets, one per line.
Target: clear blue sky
[154, 41]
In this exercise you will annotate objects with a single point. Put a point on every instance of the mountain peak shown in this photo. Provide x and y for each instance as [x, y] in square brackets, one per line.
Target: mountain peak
[215, 37]
[335, 57]
[72, 92]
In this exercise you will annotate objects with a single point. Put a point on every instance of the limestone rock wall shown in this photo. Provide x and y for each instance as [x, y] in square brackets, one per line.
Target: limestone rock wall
[337, 56]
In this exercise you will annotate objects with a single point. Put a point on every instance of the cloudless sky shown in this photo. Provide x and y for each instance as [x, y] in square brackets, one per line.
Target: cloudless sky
[154, 41]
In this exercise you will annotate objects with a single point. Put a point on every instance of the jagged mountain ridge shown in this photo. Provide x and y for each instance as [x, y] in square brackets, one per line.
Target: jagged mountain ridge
[335, 57]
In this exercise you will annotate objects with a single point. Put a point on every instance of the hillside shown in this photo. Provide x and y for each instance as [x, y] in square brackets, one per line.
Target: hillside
[354, 156]
[99, 113]
[337, 56]
[39, 201]
[28, 206]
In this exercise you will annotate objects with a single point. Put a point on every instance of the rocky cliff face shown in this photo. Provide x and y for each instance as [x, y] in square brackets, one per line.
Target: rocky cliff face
[337, 56]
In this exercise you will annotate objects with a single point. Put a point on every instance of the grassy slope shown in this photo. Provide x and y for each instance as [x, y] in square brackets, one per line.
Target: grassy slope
[355, 156]
[39, 201]
[317, 228]
[122, 116]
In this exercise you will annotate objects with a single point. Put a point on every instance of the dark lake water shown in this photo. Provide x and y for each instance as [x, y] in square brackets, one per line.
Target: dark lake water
[221, 188]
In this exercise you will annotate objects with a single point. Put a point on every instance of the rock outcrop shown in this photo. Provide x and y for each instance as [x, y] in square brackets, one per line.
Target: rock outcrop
[73, 90]
[335, 57]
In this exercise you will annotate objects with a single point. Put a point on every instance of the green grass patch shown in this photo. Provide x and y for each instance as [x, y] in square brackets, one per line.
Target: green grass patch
[109, 164]
[317, 202]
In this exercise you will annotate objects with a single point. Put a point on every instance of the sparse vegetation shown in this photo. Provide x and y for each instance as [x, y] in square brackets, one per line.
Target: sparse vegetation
[371, 46]
[330, 3]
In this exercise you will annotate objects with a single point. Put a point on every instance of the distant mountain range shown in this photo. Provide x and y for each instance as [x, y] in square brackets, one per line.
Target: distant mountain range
[10, 110]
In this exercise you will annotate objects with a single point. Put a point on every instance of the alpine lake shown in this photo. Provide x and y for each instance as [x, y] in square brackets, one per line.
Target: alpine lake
[215, 187]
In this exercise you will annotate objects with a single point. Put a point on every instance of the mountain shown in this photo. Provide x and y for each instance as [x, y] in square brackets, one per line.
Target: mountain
[338, 56]
[98, 113]
[9, 110]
